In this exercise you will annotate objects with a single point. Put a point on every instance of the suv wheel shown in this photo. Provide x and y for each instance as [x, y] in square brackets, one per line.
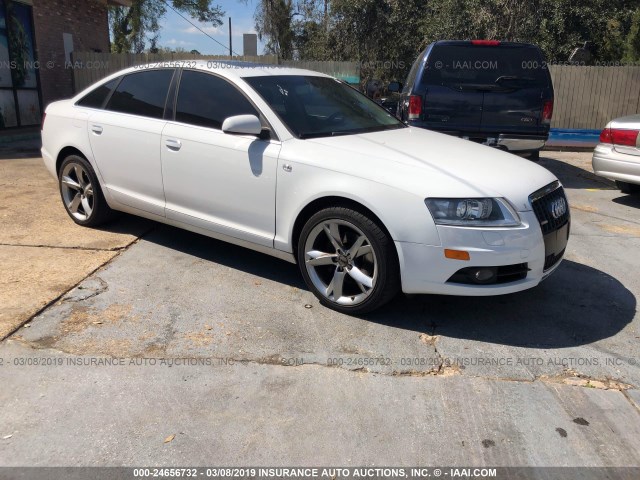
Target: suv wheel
[81, 194]
[348, 261]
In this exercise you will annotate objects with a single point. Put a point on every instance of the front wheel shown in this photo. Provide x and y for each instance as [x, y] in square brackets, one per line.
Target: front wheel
[81, 194]
[348, 261]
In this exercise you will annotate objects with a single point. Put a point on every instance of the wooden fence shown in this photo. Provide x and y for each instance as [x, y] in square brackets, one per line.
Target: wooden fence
[589, 97]
[585, 97]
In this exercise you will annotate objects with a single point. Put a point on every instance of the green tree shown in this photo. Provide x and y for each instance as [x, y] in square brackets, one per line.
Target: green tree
[381, 34]
[557, 26]
[311, 30]
[632, 48]
[274, 23]
[132, 27]
[387, 35]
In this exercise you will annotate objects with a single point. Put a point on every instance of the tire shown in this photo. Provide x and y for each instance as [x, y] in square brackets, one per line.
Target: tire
[348, 261]
[628, 188]
[81, 193]
[534, 156]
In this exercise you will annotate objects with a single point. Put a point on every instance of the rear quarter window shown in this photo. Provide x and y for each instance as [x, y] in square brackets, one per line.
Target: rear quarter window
[97, 97]
[451, 65]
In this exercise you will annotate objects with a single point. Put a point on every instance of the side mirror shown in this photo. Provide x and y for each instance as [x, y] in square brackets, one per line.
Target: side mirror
[242, 124]
[394, 87]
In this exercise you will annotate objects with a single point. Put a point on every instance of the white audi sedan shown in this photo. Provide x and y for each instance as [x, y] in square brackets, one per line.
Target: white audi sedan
[301, 166]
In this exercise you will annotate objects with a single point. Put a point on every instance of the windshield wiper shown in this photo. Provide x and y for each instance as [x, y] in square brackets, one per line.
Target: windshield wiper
[354, 131]
[512, 78]
[475, 86]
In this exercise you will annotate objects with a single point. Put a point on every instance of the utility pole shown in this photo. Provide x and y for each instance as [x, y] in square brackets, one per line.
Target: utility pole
[230, 49]
[326, 16]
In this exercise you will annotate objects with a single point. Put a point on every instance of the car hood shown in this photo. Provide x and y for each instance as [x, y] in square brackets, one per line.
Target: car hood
[431, 164]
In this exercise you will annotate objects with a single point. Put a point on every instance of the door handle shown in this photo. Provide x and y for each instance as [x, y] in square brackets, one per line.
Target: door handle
[97, 129]
[173, 144]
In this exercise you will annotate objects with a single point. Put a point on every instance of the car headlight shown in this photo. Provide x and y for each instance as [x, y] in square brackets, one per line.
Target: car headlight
[473, 212]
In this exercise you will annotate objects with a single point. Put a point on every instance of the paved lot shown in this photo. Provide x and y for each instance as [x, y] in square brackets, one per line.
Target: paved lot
[42, 253]
[225, 349]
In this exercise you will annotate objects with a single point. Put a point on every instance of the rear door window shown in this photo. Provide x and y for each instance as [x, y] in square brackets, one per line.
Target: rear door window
[460, 66]
[142, 93]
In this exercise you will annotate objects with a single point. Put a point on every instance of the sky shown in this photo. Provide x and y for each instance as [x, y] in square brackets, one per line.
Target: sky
[177, 32]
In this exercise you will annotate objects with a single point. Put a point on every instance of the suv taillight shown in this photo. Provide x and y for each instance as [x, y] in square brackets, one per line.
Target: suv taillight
[547, 112]
[44, 117]
[415, 107]
[487, 43]
[619, 136]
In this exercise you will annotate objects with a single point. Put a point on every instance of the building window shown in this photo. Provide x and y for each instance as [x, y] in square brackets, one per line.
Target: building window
[20, 104]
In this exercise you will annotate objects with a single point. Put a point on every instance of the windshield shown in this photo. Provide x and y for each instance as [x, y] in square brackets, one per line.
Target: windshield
[461, 65]
[321, 107]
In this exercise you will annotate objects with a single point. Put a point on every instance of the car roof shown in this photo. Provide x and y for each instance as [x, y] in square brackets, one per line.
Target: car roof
[231, 69]
[468, 42]
[228, 68]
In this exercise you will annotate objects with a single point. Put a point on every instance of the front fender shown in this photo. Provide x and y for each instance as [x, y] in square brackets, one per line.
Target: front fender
[403, 214]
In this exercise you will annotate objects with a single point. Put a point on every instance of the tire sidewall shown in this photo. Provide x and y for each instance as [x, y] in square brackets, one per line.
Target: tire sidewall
[99, 202]
[383, 258]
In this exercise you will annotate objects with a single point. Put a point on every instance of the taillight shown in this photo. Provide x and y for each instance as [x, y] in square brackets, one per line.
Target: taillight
[619, 136]
[605, 136]
[415, 107]
[44, 117]
[489, 43]
[547, 111]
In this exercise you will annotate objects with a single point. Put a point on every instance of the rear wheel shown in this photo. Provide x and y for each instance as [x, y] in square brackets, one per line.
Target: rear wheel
[628, 188]
[81, 194]
[348, 261]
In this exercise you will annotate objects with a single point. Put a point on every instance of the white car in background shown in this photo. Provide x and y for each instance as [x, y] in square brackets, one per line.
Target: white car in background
[298, 165]
[617, 156]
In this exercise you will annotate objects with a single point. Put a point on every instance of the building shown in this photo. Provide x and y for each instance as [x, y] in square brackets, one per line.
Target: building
[250, 44]
[37, 38]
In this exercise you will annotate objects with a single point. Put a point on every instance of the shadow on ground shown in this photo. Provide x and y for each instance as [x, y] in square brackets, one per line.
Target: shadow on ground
[575, 177]
[577, 305]
[628, 200]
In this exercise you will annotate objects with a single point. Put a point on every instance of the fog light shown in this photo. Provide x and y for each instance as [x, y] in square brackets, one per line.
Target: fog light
[484, 275]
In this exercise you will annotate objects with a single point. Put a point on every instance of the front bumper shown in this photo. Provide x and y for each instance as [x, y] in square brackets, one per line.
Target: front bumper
[424, 268]
[609, 163]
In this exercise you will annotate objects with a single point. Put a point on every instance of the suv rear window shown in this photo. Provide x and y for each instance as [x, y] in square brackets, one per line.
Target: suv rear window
[459, 65]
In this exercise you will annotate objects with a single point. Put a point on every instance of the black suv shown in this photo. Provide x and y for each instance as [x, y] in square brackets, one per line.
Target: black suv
[495, 93]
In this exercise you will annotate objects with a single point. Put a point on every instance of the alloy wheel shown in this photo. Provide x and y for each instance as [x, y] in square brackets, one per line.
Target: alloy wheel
[77, 191]
[341, 262]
